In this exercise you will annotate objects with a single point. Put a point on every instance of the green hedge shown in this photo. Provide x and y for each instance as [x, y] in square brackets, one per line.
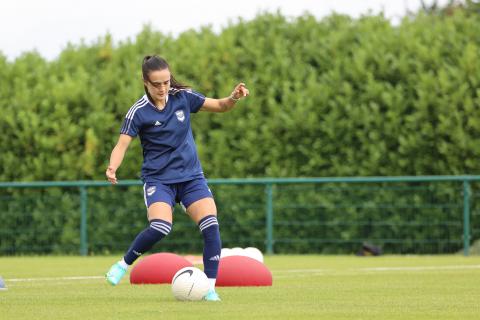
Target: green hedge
[331, 97]
[335, 97]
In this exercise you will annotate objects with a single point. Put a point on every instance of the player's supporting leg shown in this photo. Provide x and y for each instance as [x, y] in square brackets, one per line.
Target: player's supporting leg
[208, 224]
[157, 230]
[212, 247]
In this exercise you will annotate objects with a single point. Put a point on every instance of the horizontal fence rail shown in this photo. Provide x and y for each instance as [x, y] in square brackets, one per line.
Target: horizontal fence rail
[404, 214]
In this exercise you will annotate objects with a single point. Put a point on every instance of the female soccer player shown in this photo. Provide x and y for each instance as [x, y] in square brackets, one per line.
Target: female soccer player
[171, 170]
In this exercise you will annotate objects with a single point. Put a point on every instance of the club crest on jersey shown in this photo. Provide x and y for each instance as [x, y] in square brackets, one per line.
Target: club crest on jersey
[180, 115]
[151, 190]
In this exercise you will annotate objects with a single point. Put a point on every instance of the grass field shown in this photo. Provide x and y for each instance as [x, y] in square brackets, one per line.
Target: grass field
[304, 287]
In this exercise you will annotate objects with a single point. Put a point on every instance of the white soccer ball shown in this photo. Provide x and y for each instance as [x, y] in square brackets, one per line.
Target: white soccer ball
[254, 253]
[190, 284]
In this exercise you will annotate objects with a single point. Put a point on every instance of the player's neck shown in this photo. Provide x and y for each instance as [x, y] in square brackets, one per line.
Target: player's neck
[160, 104]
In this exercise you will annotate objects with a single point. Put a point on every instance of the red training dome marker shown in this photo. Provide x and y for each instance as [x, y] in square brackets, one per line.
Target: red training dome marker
[157, 268]
[238, 271]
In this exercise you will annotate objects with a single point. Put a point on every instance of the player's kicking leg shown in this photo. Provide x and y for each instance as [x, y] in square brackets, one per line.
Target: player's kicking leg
[160, 216]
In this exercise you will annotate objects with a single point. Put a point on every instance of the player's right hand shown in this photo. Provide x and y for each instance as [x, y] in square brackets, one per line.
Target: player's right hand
[111, 176]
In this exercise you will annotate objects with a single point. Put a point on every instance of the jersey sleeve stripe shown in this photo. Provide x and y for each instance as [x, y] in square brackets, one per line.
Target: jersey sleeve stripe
[195, 94]
[129, 117]
[134, 107]
[127, 120]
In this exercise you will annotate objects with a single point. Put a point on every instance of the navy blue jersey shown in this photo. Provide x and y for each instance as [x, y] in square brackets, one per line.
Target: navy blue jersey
[169, 151]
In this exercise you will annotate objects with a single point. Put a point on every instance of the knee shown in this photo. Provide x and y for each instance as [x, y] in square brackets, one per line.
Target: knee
[207, 222]
[160, 227]
[210, 228]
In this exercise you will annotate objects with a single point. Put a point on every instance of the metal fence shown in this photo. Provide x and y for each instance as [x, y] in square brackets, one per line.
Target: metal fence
[417, 214]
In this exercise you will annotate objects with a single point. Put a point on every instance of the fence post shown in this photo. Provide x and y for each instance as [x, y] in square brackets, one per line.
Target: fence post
[466, 218]
[83, 221]
[269, 217]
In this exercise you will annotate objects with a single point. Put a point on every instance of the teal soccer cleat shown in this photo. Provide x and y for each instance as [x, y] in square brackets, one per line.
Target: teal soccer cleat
[115, 274]
[211, 296]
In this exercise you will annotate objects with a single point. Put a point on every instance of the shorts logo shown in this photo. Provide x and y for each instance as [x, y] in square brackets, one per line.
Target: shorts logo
[180, 115]
[151, 190]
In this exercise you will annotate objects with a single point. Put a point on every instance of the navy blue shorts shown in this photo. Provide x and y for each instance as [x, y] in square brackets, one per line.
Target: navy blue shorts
[185, 193]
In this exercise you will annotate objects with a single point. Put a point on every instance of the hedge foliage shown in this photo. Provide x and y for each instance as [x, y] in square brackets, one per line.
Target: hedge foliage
[331, 97]
[335, 97]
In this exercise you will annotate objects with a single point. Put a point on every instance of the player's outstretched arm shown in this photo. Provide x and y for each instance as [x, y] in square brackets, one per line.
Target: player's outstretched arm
[226, 104]
[116, 157]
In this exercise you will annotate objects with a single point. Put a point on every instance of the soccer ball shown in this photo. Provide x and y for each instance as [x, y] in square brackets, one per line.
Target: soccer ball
[190, 284]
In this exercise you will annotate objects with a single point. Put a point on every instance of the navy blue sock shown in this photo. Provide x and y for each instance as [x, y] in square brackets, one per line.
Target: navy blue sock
[145, 240]
[212, 245]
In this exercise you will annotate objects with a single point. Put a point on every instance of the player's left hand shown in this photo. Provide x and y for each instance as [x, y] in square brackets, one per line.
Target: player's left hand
[240, 91]
[111, 176]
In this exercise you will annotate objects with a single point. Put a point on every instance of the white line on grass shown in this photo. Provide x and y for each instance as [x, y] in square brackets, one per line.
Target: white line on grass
[311, 271]
[301, 270]
[301, 273]
[381, 269]
[54, 279]
[425, 268]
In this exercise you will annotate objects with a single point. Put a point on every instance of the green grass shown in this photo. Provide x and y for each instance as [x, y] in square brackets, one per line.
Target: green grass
[304, 287]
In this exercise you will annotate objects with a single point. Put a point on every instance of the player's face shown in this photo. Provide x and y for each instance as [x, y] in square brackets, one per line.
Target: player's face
[158, 84]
